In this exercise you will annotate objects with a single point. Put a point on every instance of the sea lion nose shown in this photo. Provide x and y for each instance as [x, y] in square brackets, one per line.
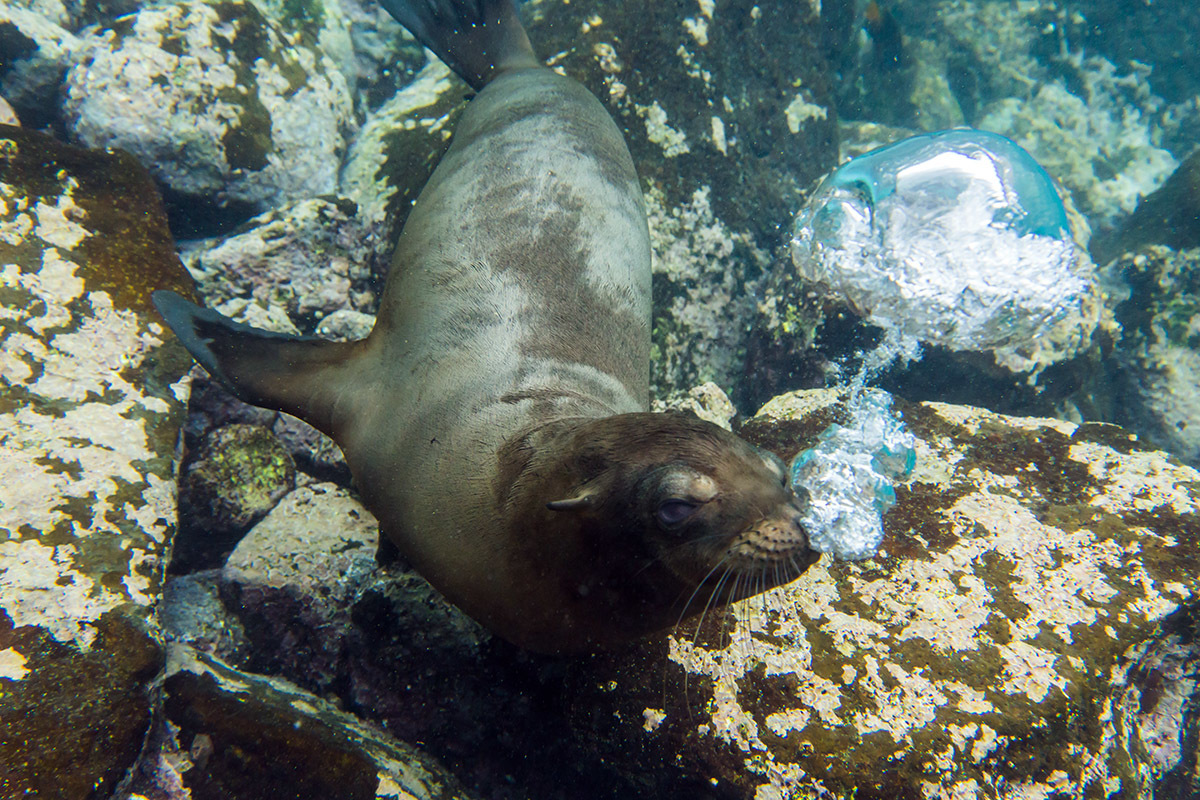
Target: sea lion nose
[794, 512]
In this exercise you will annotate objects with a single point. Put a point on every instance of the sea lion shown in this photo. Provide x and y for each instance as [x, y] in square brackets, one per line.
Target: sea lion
[495, 420]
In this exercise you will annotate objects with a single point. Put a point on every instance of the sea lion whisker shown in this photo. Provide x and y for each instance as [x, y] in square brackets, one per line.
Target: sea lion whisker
[700, 625]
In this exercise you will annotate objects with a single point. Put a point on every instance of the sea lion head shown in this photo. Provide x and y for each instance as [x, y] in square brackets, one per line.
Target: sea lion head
[698, 515]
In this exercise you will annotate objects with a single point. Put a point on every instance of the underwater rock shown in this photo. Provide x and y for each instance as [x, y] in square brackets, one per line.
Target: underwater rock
[7, 115]
[729, 115]
[308, 259]
[34, 55]
[192, 613]
[707, 401]
[237, 475]
[1169, 216]
[227, 111]
[298, 576]
[734, 96]
[1099, 138]
[705, 279]
[395, 152]
[319, 541]
[91, 405]
[1158, 391]
[1158, 715]
[1160, 34]
[985, 652]
[325, 23]
[231, 734]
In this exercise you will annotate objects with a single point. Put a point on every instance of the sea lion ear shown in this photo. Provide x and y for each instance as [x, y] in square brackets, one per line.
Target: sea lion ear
[584, 500]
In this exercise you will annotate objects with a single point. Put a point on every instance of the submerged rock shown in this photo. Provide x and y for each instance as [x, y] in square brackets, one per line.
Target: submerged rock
[1158, 390]
[231, 734]
[35, 52]
[308, 259]
[238, 474]
[1168, 216]
[222, 106]
[987, 651]
[91, 405]
[7, 115]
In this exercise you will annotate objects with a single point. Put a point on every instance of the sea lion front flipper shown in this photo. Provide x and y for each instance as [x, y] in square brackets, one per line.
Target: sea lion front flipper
[475, 38]
[302, 376]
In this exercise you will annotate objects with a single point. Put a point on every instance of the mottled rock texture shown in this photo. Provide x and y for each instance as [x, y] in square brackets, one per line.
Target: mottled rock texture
[91, 404]
[224, 107]
[236, 476]
[308, 259]
[230, 734]
[34, 54]
[986, 652]
[1157, 385]
[1168, 216]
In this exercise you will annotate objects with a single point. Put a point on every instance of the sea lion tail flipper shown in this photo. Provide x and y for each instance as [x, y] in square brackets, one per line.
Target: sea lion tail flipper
[476, 38]
[299, 375]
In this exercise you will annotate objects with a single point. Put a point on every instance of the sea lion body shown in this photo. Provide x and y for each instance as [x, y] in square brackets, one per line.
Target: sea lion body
[496, 418]
[519, 295]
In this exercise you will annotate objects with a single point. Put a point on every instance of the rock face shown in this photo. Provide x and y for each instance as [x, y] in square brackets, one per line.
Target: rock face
[238, 475]
[1029, 565]
[242, 116]
[728, 111]
[34, 54]
[91, 404]
[1168, 216]
[1158, 358]
[308, 259]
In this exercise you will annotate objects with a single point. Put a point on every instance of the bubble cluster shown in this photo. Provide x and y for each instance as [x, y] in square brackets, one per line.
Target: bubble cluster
[957, 238]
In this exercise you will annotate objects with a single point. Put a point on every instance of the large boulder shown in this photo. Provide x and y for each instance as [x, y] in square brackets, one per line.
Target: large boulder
[988, 650]
[91, 404]
[228, 111]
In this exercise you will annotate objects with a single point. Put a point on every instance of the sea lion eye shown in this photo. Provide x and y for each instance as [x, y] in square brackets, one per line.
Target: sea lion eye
[675, 511]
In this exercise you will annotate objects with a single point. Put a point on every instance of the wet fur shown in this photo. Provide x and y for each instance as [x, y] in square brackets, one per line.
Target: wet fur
[509, 369]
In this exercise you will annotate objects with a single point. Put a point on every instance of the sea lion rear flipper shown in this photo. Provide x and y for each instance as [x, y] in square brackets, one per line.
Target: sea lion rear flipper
[475, 38]
[302, 376]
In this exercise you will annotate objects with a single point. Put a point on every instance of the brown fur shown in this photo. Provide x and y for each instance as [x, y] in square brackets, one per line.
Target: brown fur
[496, 418]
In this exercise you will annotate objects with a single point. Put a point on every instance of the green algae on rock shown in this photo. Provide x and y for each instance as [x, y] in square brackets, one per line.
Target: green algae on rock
[236, 477]
[984, 652]
[91, 404]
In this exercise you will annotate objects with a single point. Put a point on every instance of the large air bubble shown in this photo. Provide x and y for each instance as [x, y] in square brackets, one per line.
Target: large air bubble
[956, 238]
